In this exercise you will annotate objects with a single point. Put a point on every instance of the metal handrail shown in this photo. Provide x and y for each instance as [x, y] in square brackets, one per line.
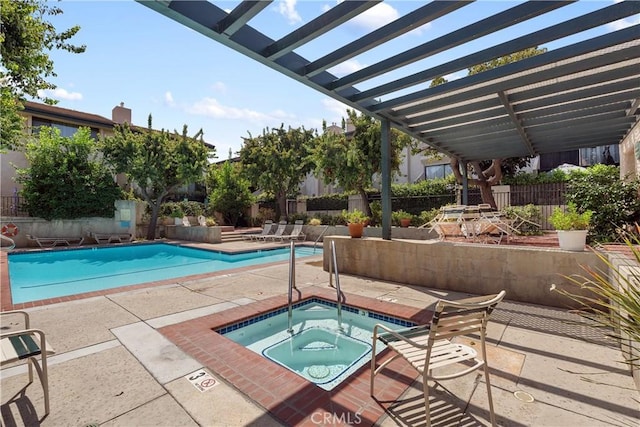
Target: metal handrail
[326, 227]
[292, 284]
[334, 262]
[11, 242]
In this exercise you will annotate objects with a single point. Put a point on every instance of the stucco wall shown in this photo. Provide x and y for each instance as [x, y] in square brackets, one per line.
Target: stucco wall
[194, 233]
[525, 273]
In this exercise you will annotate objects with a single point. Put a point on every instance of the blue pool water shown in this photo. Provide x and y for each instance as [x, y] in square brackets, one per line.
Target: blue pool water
[49, 274]
[317, 349]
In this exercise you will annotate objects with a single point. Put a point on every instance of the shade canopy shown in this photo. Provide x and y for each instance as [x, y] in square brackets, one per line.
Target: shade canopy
[584, 91]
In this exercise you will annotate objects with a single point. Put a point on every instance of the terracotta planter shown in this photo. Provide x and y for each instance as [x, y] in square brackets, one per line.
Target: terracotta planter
[356, 229]
[405, 222]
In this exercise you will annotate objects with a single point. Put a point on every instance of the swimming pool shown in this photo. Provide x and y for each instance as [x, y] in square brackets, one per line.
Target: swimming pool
[317, 349]
[49, 274]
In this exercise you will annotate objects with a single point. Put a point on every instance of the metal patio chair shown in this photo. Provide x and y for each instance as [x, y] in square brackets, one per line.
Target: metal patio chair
[27, 343]
[430, 348]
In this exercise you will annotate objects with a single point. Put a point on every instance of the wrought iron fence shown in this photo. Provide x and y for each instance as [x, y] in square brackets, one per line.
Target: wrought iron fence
[13, 206]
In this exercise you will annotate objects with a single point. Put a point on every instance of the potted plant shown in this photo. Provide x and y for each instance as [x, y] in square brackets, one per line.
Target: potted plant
[177, 214]
[315, 221]
[355, 221]
[572, 227]
[401, 218]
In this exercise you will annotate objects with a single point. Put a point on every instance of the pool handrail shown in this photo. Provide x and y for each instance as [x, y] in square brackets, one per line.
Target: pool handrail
[292, 284]
[12, 243]
[326, 227]
[333, 262]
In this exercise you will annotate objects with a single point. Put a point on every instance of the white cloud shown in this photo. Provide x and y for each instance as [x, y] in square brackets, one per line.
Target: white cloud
[336, 111]
[168, 98]
[60, 93]
[211, 107]
[346, 67]
[624, 23]
[375, 17]
[287, 8]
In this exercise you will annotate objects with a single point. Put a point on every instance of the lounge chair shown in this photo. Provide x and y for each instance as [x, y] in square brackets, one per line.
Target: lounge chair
[26, 344]
[103, 238]
[49, 242]
[428, 348]
[296, 233]
[282, 225]
[266, 229]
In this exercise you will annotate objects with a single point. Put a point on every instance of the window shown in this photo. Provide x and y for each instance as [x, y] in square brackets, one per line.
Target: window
[437, 171]
[66, 129]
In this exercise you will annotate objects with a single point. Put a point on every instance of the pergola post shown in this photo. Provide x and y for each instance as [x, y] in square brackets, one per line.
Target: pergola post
[386, 178]
[465, 184]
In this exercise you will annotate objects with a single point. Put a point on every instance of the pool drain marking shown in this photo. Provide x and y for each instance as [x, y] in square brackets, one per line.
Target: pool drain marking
[202, 380]
[318, 371]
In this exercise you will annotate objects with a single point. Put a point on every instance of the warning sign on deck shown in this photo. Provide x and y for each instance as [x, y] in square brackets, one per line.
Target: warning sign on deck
[202, 380]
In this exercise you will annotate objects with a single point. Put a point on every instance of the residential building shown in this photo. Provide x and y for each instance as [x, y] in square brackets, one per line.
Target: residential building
[68, 121]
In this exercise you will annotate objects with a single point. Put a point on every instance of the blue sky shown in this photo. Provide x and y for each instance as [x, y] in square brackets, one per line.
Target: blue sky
[157, 66]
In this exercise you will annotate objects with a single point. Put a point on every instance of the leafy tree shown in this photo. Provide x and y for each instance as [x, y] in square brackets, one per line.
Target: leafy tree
[613, 201]
[352, 159]
[229, 191]
[278, 161]
[65, 178]
[25, 38]
[156, 162]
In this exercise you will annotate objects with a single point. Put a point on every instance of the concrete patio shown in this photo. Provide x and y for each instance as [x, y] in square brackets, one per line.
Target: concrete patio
[114, 367]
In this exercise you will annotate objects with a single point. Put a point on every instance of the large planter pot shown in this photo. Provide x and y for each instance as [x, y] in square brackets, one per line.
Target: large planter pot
[356, 229]
[572, 240]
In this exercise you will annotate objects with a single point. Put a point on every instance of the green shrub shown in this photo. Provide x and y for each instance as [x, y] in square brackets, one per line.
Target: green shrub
[614, 202]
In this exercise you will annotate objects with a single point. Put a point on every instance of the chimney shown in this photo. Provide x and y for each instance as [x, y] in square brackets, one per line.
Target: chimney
[120, 114]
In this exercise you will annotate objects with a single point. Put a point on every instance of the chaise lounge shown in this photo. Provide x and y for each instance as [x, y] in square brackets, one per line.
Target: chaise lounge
[49, 242]
[103, 238]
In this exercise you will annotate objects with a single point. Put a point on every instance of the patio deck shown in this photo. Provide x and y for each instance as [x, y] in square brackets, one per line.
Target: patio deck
[122, 359]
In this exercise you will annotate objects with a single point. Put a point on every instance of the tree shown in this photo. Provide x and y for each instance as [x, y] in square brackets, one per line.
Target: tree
[351, 159]
[65, 178]
[278, 161]
[228, 191]
[157, 163]
[25, 38]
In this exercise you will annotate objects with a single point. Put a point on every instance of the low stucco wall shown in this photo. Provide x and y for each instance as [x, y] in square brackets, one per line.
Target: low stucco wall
[525, 273]
[123, 221]
[312, 232]
[194, 233]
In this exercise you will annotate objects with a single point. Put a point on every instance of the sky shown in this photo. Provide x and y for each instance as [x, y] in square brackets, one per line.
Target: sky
[157, 66]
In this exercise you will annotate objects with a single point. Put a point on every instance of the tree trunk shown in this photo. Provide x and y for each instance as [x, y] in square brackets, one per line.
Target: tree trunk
[485, 178]
[281, 206]
[365, 202]
[153, 221]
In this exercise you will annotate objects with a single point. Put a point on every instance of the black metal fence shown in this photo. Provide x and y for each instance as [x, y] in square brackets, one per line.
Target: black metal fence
[13, 206]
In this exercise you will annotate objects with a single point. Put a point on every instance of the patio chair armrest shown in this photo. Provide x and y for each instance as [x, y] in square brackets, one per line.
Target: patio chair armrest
[480, 301]
[24, 314]
[25, 346]
[405, 334]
